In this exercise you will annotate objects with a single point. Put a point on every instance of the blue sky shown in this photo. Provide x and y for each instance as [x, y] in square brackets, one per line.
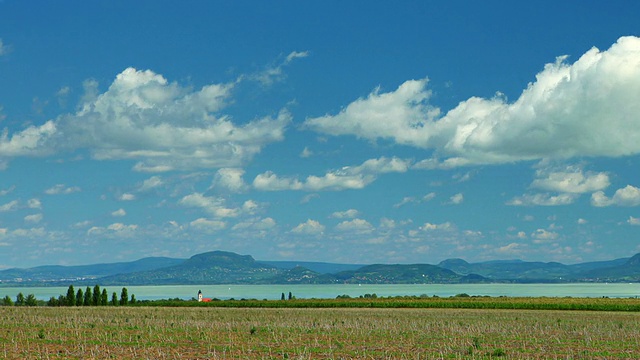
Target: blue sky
[357, 132]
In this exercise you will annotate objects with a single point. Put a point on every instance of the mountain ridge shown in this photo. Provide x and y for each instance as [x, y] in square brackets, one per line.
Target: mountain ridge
[223, 267]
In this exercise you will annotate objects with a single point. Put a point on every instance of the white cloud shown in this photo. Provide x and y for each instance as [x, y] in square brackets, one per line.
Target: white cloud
[61, 189]
[633, 221]
[310, 227]
[4, 49]
[34, 204]
[542, 235]
[571, 181]
[431, 227]
[208, 225]
[114, 230]
[162, 125]
[511, 249]
[250, 207]
[126, 197]
[275, 73]
[7, 191]
[35, 218]
[582, 221]
[306, 153]
[588, 108]
[359, 226]
[543, 200]
[229, 179]
[151, 183]
[627, 196]
[256, 224]
[348, 177]
[347, 214]
[213, 205]
[456, 199]
[119, 213]
[406, 200]
[10, 206]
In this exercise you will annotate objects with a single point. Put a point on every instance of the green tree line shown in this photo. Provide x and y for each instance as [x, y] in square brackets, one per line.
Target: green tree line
[88, 297]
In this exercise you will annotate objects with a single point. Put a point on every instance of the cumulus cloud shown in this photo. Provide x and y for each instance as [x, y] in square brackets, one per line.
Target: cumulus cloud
[126, 197]
[543, 200]
[208, 225]
[119, 213]
[34, 203]
[431, 227]
[542, 235]
[229, 179]
[61, 189]
[35, 218]
[633, 221]
[256, 224]
[348, 177]
[456, 199]
[162, 125]
[10, 206]
[627, 196]
[572, 180]
[213, 205]
[359, 226]
[347, 214]
[310, 227]
[151, 183]
[588, 108]
[114, 230]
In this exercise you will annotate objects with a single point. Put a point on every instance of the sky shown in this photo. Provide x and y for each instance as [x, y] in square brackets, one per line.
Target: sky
[336, 131]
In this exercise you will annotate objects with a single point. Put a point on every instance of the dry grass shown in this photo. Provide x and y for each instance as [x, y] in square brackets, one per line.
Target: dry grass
[236, 333]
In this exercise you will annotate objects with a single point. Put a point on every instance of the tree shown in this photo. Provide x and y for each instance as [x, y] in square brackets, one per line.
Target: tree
[290, 295]
[104, 298]
[124, 297]
[7, 301]
[133, 299]
[282, 296]
[114, 299]
[79, 298]
[53, 302]
[95, 301]
[31, 300]
[20, 299]
[71, 296]
[87, 297]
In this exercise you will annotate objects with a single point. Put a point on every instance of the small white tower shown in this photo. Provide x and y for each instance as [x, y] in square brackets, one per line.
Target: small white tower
[200, 295]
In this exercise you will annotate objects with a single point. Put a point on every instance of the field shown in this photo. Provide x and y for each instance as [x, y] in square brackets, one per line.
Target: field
[314, 333]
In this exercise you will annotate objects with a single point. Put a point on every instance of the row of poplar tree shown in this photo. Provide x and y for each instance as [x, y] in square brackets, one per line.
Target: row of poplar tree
[88, 297]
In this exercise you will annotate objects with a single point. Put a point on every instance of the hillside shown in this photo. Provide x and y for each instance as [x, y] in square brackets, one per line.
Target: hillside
[220, 267]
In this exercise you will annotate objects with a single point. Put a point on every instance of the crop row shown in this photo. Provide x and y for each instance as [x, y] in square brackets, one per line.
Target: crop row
[524, 303]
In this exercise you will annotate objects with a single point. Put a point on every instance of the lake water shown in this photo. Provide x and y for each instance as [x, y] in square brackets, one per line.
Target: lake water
[273, 292]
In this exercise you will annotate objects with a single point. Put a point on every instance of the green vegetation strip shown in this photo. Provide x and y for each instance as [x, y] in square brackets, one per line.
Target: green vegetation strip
[523, 303]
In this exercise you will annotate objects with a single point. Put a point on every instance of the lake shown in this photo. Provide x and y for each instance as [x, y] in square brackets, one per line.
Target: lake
[273, 292]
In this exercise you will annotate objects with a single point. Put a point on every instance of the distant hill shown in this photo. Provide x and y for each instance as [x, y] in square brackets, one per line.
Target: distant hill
[216, 267]
[401, 274]
[544, 272]
[629, 271]
[221, 267]
[319, 267]
[57, 273]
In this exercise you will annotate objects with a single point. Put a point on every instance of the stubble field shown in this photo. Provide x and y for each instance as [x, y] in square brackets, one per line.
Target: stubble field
[289, 333]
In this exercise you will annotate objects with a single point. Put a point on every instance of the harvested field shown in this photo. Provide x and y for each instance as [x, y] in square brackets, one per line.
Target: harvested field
[290, 333]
